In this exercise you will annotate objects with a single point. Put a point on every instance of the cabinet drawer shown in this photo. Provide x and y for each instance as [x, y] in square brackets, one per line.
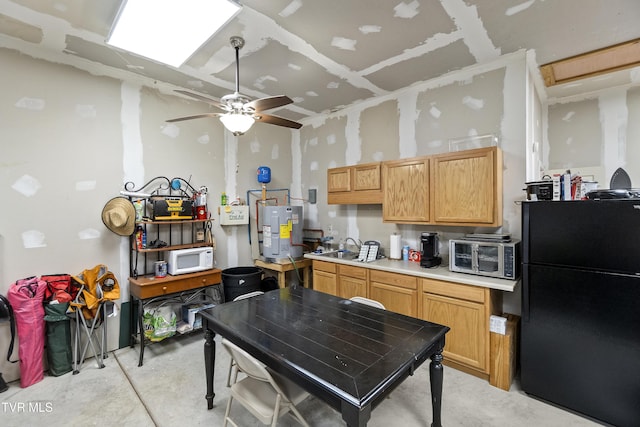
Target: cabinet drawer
[149, 287]
[357, 272]
[400, 280]
[329, 267]
[454, 290]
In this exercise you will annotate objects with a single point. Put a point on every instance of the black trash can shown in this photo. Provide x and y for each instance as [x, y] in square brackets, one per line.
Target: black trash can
[238, 281]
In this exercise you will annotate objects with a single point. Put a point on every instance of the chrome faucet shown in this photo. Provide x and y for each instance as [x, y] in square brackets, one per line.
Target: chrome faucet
[358, 243]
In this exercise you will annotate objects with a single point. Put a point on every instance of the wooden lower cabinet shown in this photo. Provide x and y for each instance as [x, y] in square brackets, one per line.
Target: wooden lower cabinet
[398, 292]
[466, 310]
[325, 277]
[352, 281]
[345, 281]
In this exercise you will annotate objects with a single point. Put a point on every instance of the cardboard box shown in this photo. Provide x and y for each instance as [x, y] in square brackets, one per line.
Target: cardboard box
[503, 354]
[190, 314]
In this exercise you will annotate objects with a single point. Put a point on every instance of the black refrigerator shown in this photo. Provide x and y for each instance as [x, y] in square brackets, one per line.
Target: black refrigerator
[580, 342]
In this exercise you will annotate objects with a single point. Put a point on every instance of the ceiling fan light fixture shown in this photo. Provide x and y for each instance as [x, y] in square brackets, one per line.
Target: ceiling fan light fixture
[169, 31]
[237, 123]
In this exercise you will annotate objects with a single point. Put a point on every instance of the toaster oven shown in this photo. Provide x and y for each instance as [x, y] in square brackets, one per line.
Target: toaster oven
[493, 259]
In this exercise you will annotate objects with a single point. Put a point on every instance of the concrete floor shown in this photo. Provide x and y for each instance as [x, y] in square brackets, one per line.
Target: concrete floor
[169, 390]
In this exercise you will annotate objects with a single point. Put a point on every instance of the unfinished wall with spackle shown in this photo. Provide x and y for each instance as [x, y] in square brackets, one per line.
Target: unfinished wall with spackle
[70, 140]
[595, 135]
[415, 122]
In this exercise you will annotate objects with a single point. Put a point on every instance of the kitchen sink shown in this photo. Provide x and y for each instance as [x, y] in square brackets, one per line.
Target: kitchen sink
[346, 255]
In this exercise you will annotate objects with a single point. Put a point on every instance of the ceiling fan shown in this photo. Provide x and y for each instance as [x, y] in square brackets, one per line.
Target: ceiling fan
[240, 111]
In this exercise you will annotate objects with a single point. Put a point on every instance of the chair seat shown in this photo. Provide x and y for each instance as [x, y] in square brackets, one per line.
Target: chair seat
[264, 393]
[260, 398]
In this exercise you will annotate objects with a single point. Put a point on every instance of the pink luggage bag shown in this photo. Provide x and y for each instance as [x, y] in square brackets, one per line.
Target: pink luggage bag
[26, 297]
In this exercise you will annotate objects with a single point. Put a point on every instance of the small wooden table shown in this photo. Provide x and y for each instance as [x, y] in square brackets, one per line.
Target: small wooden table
[283, 267]
[145, 288]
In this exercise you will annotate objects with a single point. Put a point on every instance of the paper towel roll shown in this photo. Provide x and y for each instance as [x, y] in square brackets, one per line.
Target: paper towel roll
[395, 251]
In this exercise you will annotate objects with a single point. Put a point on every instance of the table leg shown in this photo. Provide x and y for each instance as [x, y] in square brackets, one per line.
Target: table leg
[355, 417]
[436, 374]
[282, 279]
[141, 331]
[305, 276]
[133, 321]
[209, 362]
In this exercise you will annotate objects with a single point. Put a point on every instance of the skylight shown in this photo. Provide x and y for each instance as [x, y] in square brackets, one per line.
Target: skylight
[169, 31]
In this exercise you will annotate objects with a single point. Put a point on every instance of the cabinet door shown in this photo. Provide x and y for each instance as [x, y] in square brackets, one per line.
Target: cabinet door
[366, 177]
[352, 281]
[466, 341]
[400, 300]
[339, 179]
[467, 187]
[325, 282]
[406, 191]
[351, 287]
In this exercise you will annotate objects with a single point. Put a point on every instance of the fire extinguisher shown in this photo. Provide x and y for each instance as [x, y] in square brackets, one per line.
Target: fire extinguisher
[201, 203]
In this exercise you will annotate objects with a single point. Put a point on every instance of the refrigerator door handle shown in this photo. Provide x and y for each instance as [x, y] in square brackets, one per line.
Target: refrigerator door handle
[525, 293]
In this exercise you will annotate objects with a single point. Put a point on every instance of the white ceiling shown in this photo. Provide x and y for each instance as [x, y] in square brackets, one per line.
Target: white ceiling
[329, 54]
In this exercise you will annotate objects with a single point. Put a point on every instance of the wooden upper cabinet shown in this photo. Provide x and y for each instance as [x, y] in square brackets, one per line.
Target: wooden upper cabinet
[358, 184]
[366, 177]
[467, 187]
[339, 179]
[406, 191]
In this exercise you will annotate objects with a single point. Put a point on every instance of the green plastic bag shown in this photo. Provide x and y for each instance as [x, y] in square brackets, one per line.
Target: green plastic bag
[159, 322]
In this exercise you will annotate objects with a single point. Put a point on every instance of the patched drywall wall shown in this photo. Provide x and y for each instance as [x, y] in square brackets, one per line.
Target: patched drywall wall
[595, 135]
[468, 108]
[576, 134]
[71, 140]
[419, 121]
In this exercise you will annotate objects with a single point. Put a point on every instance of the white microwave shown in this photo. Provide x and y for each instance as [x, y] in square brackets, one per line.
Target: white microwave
[183, 261]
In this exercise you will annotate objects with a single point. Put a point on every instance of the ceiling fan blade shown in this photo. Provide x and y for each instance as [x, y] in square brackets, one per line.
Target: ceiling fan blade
[275, 120]
[263, 104]
[202, 98]
[197, 116]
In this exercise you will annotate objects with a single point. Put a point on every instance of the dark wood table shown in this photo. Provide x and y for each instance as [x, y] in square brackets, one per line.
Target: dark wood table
[348, 354]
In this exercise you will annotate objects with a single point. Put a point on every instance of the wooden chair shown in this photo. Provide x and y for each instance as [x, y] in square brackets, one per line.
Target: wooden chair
[262, 392]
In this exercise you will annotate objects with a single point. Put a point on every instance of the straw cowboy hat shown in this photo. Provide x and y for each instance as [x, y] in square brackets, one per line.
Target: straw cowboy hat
[119, 215]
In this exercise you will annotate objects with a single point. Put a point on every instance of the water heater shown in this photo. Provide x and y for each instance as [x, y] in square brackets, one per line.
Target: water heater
[281, 232]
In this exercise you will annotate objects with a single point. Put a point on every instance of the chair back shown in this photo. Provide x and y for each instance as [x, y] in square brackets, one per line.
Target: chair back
[367, 301]
[247, 363]
[249, 295]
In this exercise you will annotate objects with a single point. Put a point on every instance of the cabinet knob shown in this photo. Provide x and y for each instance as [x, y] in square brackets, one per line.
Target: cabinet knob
[164, 289]
[204, 281]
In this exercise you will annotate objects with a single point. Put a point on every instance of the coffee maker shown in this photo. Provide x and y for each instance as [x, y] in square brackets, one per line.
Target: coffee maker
[430, 253]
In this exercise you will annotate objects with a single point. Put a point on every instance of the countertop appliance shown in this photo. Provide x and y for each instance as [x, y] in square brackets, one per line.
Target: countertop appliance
[183, 261]
[580, 346]
[485, 257]
[540, 190]
[430, 256]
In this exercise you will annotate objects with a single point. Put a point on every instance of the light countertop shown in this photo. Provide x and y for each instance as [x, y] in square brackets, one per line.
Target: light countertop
[413, 269]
